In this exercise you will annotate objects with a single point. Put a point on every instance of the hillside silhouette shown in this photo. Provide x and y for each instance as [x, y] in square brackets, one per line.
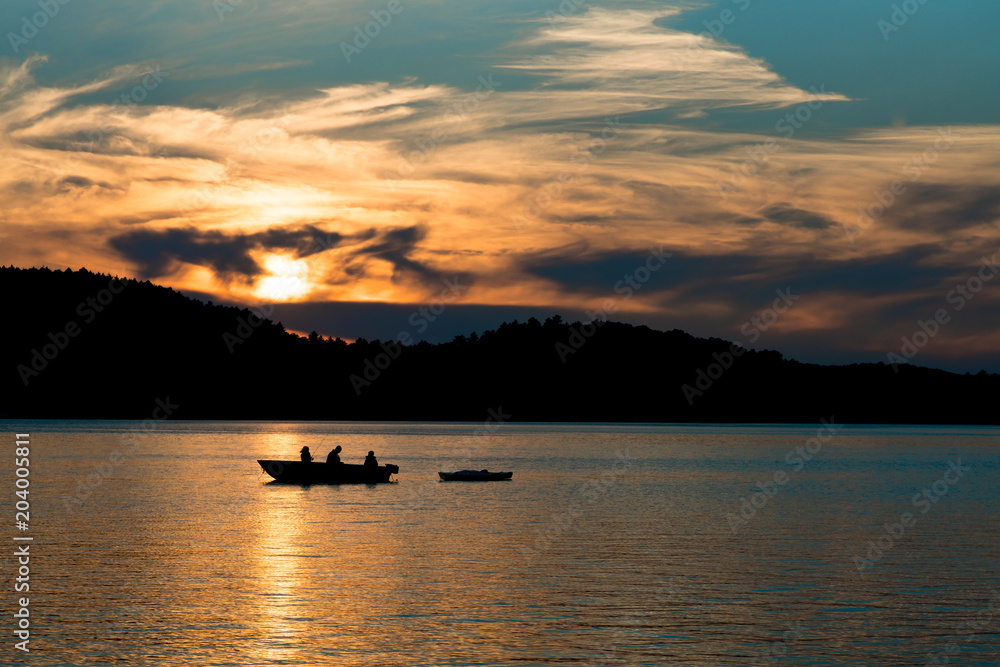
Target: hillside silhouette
[85, 345]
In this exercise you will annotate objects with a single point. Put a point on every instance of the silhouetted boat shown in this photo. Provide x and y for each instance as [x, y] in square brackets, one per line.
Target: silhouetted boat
[474, 476]
[297, 472]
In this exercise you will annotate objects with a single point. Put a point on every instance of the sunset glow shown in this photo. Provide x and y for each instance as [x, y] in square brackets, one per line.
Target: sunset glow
[283, 171]
[287, 279]
[501, 332]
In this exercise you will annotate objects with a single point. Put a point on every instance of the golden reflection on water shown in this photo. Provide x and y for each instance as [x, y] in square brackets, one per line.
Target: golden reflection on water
[174, 561]
[278, 575]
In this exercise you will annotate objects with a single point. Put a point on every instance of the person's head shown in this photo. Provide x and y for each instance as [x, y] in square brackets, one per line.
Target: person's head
[336, 449]
[371, 453]
[304, 449]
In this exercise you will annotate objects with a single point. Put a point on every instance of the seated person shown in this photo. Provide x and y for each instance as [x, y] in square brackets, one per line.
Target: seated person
[306, 456]
[371, 461]
[334, 456]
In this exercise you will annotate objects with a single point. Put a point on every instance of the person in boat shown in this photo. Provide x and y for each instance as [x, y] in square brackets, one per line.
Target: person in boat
[334, 456]
[371, 461]
[306, 456]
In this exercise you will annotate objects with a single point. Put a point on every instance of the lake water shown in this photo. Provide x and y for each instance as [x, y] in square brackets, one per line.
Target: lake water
[612, 545]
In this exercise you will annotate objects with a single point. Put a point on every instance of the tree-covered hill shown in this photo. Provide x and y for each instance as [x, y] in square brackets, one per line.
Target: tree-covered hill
[85, 345]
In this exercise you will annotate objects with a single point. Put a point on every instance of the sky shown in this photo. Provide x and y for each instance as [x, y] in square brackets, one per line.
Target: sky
[812, 177]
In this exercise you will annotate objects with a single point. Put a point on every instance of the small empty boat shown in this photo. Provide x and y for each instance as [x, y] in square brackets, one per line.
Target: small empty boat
[474, 476]
[297, 472]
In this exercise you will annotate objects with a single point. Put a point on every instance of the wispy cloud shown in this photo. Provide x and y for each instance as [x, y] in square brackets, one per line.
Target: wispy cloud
[224, 197]
[612, 61]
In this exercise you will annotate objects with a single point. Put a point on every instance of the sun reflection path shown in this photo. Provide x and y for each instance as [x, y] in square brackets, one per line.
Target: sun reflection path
[281, 574]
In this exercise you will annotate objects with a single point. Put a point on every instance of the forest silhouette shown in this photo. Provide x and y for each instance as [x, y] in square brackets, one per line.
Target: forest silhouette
[86, 345]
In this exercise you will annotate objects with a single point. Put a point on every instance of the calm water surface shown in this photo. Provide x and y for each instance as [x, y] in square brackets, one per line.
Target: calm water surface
[612, 545]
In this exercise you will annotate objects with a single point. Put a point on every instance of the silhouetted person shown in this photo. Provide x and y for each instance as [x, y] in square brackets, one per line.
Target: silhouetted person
[371, 461]
[306, 456]
[334, 456]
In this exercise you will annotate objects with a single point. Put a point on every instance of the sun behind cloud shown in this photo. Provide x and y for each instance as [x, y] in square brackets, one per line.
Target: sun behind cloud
[287, 279]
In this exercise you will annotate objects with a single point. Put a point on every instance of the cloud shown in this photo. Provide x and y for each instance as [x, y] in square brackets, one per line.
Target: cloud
[376, 190]
[783, 214]
[160, 253]
[22, 101]
[214, 71]
[618, 61]
[69, 183]
[396, 246]
[737, 284]
[943, 208]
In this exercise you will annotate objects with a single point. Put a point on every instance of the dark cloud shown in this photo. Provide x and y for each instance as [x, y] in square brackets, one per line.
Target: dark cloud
[474, 177]
[744, 284]
[745, 280]
[789, 216]
[71, 182]
[611, 219]
[160, 252]
[395, 246]
[598, 273]
[942, 208]
[305, 241]
[917, 268]
[738, 286]
[151, 217]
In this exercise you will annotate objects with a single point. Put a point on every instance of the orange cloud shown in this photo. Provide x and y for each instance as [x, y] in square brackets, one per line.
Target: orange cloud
[491, 175]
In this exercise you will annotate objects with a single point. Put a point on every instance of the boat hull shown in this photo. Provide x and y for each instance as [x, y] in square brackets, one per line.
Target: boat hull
[474, 476]
[297, 472]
